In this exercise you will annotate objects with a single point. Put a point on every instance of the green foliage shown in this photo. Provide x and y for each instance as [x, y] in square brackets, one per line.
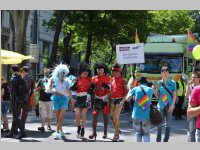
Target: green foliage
[111, 27]
[171, 22]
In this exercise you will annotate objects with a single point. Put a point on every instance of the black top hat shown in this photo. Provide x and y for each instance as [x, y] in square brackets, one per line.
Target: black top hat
[25, 68]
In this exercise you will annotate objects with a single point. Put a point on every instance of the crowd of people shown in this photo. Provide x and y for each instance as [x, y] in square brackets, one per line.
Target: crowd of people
[61, 89]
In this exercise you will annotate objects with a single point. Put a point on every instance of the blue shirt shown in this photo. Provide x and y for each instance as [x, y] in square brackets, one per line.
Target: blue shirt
[164, 95]
[138, 112]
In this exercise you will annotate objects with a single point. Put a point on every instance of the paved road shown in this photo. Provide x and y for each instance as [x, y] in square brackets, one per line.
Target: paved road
[178, 134]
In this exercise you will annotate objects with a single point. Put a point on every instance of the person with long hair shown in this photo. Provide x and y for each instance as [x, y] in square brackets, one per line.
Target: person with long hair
[101, 89]
[82, 87]
[118, 92]
[59, 86]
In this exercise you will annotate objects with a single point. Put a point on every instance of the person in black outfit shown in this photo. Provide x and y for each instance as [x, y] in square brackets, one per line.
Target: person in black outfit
[30, 87]
[18, 92]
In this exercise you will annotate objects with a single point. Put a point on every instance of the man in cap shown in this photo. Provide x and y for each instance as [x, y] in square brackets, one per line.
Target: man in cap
[30, 85]
[166, 94]
[18, 94]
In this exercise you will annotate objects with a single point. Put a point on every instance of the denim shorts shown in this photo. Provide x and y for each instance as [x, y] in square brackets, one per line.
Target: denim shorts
[60, 102]
[5, 107]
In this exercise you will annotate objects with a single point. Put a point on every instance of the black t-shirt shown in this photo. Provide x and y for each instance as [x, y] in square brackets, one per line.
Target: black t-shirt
[43, 95]
[6, 88]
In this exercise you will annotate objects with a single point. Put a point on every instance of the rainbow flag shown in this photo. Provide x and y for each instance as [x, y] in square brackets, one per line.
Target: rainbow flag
[164, 99]
[144, 102]
[191, 41]
[136, 37]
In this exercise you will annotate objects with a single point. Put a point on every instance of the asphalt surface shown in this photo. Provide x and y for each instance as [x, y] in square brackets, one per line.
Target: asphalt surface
[178, 130]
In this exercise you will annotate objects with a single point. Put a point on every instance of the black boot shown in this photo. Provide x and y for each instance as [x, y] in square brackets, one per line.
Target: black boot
[105, 126]
[21, 135]
[82, 132]
[10, 135]
[78, 130]
[94, 134]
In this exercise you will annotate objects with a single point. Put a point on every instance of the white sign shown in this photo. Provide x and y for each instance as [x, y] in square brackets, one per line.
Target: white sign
[34, 51]
[130, 53]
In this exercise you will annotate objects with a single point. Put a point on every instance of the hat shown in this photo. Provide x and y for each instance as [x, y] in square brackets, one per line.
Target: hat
[164, 68]
[25, 68]
[142, 80]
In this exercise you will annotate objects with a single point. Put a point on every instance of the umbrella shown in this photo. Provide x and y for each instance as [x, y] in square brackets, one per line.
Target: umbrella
[10, 57]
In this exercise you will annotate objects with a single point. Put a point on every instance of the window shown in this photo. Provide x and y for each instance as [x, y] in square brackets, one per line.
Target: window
[153, 63]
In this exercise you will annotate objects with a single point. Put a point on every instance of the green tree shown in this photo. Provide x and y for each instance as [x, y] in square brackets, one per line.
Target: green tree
[171, 22]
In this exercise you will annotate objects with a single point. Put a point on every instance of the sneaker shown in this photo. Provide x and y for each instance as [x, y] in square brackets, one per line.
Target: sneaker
[41, 129]
[62, 133]
[57, 136]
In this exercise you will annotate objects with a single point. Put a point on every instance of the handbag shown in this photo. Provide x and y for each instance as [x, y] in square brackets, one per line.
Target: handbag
[155, 114]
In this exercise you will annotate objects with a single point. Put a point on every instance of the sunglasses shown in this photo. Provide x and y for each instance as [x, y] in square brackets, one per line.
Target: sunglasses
[100, 70]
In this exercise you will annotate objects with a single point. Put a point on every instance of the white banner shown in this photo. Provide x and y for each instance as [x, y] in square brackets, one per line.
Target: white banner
[130, 53]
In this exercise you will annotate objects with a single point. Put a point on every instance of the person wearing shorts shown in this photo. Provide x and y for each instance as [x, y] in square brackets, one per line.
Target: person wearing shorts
[59, 86]
[81, 104]
[118, 92]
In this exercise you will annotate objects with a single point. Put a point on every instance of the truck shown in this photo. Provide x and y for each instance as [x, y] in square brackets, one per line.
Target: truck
[168, 50]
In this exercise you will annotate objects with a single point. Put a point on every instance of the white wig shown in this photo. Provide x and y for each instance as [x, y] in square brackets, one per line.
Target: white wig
[60, 69]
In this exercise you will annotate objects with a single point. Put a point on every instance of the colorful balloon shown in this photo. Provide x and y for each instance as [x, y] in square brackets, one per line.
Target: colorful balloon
[196, 52]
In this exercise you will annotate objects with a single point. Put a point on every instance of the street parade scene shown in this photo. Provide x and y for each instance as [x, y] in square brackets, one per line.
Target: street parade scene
[100, 76]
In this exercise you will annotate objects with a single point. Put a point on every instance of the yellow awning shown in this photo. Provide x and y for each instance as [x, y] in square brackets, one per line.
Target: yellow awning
[10, 57]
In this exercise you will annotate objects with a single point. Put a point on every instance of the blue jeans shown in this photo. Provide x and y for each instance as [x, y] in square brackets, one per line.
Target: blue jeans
[166, 118]
[191, 129]
[197, 135]
[5, 104]
[142, 130]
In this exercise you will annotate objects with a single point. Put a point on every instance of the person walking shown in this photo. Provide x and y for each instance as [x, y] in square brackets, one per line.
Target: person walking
[118, 92]
[195, 80]
[193, 110]
[59, 86]
[181, 90]
[18, 98]
[45, 104]
[30, 83]
[101, 86]
[142, 95]
[5, 104]
[82, 88]
[166, 94]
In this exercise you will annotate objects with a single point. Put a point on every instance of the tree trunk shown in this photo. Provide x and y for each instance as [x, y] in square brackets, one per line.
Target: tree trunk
[67, 53]
[60, 16]
[89, 48]
[111, 57]
[12, 30]
[20, 19]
